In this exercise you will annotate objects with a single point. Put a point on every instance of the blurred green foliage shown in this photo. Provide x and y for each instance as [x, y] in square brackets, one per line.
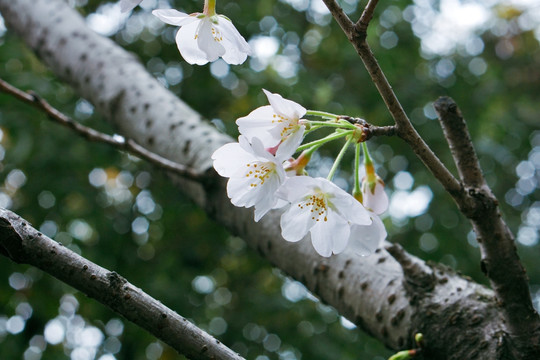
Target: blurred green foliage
[124, 215]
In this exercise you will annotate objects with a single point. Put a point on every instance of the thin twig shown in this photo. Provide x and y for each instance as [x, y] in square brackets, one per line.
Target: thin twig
[340, 16]
[21, 243]
[367, 15]
[90, 134]
[370, 130]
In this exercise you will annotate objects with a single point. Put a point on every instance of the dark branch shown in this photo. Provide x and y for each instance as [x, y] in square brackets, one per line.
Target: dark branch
[369, 129]
[23, 244]
[500, 261]
[459, 140]
[367, 15]
[90, 134]
[342, 19]
[417, 274]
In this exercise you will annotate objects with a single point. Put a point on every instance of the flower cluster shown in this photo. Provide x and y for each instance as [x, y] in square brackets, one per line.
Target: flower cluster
[261, 168]
[263, 174]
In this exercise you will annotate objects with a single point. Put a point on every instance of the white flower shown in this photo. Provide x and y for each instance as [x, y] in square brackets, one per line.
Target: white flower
[365, 239]
[203, 38]
[254, 174]
[128, 5]
[322, 209]
[280, 121]
[374, 197]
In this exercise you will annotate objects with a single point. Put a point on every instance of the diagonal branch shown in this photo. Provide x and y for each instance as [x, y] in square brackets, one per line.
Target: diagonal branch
[495, 239]
[342, 19]
[90, 134]
[459, 140]
[23, 244]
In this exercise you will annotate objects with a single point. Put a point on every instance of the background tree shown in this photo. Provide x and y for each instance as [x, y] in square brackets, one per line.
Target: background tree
[120, 212]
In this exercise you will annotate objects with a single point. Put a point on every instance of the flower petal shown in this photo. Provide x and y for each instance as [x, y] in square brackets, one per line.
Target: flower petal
[188, 46]
[240, 193]
[285, 107]
[267, 201]
[330, 236]
[229, 158]
[295, 223]
[259, 149]
[230, 32]
[257, 124]
[288, 147]
[236, 47]
[208, 40]
[174, 17]
[364, 240]
[296, 188]
[348, 207]
[376, 201]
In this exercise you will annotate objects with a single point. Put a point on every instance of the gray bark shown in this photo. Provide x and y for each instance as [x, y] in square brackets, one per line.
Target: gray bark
[389, 299]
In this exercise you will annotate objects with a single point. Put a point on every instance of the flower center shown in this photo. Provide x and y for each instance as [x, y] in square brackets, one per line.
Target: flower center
[259, 172]
[317, 205]
[216, 34]
[289, 125]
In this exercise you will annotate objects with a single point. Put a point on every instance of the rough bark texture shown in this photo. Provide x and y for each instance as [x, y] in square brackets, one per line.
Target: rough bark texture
[20, 242]
[459, 318]
[495, 239]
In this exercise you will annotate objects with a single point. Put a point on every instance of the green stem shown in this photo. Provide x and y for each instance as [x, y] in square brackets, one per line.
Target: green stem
[209, 7]
[324, 140]
[367, 157]
[343, 124]
[339, 158]
[322, 114]
[371, 177]
[313, 128]
[357, 189]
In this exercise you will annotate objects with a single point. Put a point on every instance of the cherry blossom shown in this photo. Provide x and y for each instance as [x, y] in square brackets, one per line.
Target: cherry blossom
[254, 173]
[325, 211]
[275, 123]
[128, 5]
[205, 37]
[365, 239]
[373, 194]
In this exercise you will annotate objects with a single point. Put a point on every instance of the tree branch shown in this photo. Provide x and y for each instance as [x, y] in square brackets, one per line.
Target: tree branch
[90, 134]
[500, 261]
[459, 140]
[367, 15]
[23, 244]
[368, 129]
[357, 36]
